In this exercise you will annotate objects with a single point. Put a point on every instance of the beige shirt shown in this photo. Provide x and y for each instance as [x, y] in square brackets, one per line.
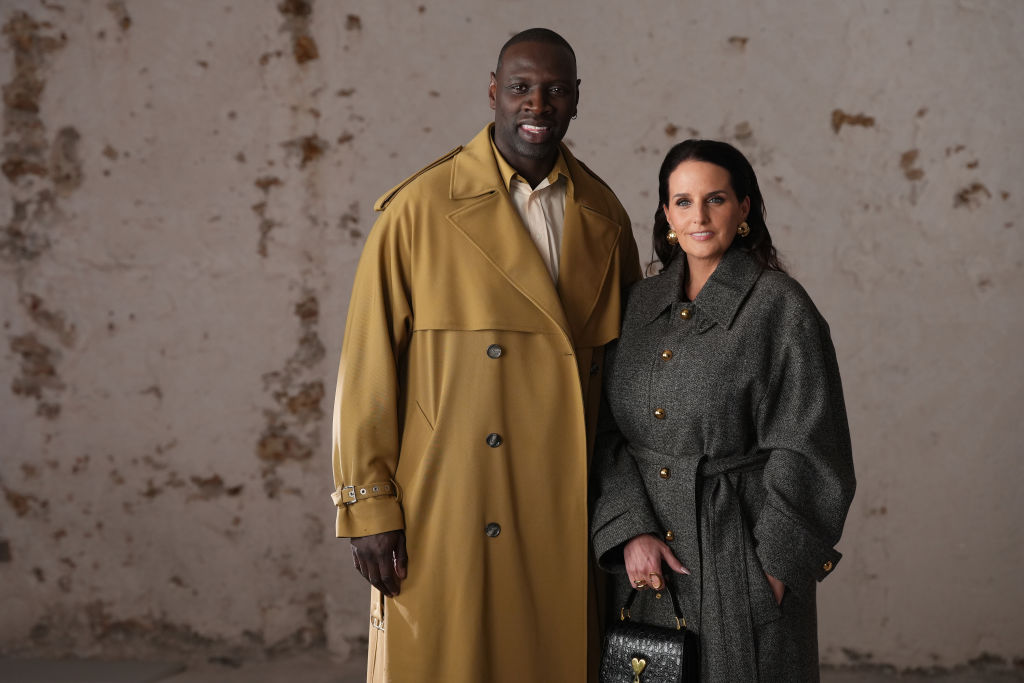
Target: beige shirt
[542, 209]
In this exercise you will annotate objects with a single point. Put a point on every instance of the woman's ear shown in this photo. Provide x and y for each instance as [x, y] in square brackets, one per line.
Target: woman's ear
[745, 207]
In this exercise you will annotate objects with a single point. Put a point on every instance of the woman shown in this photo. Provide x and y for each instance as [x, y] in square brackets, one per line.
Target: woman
[724, 450]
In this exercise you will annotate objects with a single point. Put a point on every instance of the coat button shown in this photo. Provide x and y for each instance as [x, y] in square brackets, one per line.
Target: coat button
[660, 414]
[494, 351]
[827, 566]
[494, 440]
[666, 354]
[492, 529]
[594, 368]
[686, 314]
[665, 473]
[669, 536]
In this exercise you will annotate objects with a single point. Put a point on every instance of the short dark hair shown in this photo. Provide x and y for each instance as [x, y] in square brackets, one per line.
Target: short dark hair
[744, 184]
[535, 35]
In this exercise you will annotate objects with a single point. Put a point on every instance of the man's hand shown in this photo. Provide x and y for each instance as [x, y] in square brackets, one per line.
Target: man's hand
[382, 560]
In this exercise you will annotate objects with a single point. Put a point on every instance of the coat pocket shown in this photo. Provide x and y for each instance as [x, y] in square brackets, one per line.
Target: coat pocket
[763, 608]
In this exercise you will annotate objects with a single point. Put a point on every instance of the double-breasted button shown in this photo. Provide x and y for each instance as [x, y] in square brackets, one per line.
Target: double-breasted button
[686, 314]
[594, 368]
[494, 440]
[494, 351]
[492, 529]
[666, 354]
[659, 413]
[665, 473]
[827, 566]
[669, 536]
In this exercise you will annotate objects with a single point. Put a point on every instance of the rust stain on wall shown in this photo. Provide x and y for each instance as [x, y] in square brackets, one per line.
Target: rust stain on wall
[971, 196]
[38, 378]
[353, 23]
[291, 431]
[738, 41]
[266, 224]
[51, 321]
[907, 162]
[25, 503]
[120, 12]
[65, 165]
[208, 488]
[297, 14]
[308, 148]
[841, 118]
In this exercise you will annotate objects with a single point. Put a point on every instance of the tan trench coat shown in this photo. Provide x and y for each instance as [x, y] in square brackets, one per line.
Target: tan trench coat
[469, 386]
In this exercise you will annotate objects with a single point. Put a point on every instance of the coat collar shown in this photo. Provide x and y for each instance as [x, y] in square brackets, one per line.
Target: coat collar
[720, 299]
[490, 221]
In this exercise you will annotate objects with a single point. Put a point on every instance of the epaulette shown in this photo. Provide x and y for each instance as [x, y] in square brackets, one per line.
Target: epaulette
[386, 198]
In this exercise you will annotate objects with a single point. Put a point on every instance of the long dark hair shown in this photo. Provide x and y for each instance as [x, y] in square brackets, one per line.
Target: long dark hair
[744, 184]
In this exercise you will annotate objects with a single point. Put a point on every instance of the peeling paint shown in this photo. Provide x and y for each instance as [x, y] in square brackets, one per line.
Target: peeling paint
[54, 322]
[38, 378]
[120, 12]
[907, 162]
[291, 431]
[297, 14]
[841, 118]
[308, 148]
[971, 196]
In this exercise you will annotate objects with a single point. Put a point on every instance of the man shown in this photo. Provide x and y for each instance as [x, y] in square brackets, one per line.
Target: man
[468, 390]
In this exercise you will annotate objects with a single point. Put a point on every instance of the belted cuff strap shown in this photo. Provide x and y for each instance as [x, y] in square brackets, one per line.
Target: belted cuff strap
[347, 495]
[791, 552]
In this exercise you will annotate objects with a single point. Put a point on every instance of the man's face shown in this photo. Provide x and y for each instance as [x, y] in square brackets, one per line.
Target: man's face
[534, 95]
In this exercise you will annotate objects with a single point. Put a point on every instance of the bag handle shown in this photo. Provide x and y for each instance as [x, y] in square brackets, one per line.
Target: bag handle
[624, 612]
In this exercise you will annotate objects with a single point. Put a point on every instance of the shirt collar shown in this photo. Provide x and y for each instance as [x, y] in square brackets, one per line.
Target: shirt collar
[560, 169]
[721, 297]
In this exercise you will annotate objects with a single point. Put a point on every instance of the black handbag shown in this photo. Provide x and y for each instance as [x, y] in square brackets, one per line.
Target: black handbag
[643, 653]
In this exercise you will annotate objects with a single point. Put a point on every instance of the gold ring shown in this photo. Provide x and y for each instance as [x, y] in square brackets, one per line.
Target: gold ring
[639, 583]
[655, 576]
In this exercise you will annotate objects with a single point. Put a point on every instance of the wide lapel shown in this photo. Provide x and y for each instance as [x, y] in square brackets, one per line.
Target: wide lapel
[589, 238]
[489, 220]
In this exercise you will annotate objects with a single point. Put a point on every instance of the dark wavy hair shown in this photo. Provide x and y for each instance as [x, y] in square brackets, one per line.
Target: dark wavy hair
[744, 184]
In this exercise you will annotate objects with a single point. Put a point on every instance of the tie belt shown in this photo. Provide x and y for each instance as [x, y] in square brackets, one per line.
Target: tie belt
[725, 540]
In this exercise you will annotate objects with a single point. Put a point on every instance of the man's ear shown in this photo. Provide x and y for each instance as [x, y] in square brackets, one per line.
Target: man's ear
[492, 89]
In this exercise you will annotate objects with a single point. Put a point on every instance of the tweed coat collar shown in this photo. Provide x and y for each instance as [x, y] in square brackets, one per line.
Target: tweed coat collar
[720, 299]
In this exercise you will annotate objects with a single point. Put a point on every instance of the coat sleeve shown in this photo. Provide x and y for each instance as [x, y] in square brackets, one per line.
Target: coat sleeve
[620, 506]
[809, 479]
[366, 436]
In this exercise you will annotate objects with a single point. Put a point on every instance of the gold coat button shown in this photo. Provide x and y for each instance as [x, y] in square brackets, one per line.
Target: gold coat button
[666, 354]
[665, 473]
[660, 414]
[669, 536]
[827, 566]
[686, 314]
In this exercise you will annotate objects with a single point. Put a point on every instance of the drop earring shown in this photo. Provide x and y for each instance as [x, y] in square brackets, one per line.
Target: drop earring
[743, 230]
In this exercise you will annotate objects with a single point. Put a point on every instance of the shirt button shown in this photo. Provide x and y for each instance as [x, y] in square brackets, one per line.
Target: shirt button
[660, 414]
[666, 354]
[827, 566]
[492, 529]
[669, 536]
[494, 351]
[686, 314]
[494, 440]
[665, 473]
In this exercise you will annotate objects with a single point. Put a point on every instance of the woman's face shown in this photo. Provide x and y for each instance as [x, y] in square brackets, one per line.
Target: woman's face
[703, 210]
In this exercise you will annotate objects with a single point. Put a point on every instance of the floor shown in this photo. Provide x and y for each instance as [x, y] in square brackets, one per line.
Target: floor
[320, 668]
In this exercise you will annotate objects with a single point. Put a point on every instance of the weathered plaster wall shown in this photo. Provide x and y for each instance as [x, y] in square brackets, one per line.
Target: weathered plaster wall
[186, 186]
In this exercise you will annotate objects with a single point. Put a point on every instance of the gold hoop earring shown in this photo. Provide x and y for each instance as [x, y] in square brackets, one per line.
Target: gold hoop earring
[671, 236]
[743, 230]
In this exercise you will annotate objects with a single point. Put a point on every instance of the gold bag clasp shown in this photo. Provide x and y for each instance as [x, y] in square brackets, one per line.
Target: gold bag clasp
[638, 668]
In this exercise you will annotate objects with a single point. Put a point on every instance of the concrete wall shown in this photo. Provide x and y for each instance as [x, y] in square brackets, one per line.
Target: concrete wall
[187, 184]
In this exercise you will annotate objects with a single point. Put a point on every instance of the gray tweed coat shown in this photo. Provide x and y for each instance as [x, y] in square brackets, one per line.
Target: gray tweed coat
[724, 432]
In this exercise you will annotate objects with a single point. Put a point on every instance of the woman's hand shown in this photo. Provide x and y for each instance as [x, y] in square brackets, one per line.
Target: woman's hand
[644, 555]
[778, 588]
